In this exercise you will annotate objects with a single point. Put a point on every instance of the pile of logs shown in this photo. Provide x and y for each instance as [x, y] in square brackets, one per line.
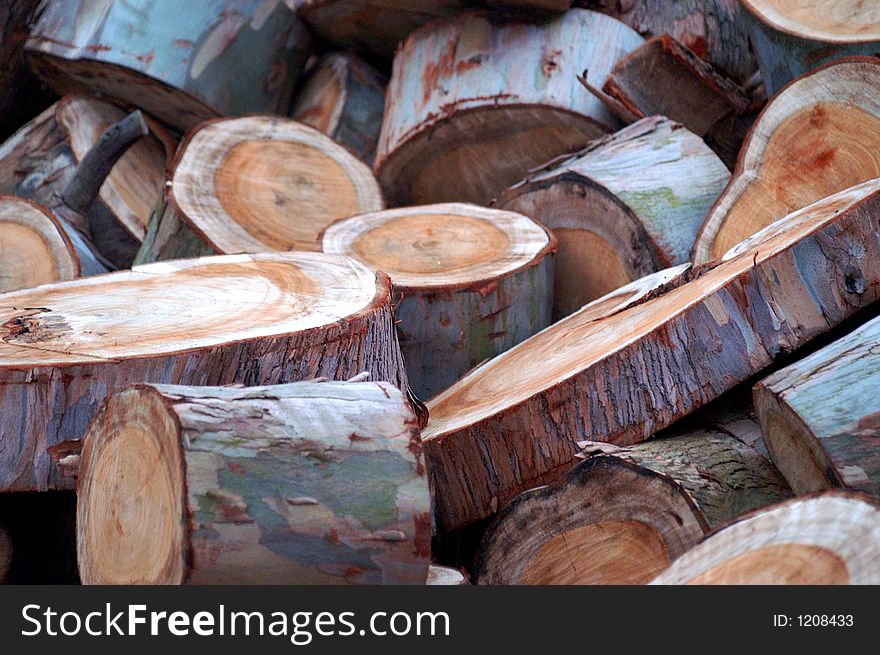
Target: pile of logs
[448, 292]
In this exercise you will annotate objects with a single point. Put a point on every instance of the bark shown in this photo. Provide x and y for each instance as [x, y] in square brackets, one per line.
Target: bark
[472, 282]
[181, 62]
[513, 423]
[821, 415]
[307, 483]
[832, 538]
[624, 514]
[817, 137]
[624, 207]
[474, 104]
[260, 319]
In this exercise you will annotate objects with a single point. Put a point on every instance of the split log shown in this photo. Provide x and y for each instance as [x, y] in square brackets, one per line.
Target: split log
[474, 282]
[5, 553]
[344, 97]
[253, 185]
[792, 38]
[260, 319]
[819, 136]
[623, 515]
[821, 415]
[513, 423]
[440, 576]
[829, 539]
[306, 483]
[474, 104]
[624, 207]
[181, 62]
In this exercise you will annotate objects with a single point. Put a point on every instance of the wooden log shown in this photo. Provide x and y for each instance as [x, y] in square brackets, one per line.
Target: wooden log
[474, 104]
[624, 207]
[256, 184]
[305, 483]
[513, 423]
[819, 136]
[828, 539]
[5, 553]
[259, 319]
[181, 62]
[473, 282]
[439, 576]
[821, 415]
[623, 515]
[344, 97]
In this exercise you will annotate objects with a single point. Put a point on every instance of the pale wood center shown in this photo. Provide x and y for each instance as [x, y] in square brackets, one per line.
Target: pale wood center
[587, 267]
[779, 564]
[858, 19]
[26, 260]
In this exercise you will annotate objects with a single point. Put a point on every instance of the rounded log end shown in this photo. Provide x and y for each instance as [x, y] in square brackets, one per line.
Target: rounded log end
[829, 21]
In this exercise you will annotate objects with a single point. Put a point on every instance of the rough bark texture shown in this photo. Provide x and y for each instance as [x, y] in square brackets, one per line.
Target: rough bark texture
[821, 415]
[181, 62]
[513, 423]
[474, 104]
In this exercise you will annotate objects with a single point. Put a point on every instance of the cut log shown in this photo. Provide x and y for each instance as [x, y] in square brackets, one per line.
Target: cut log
[344, 97]
[260, 319]
[623, 515]
[624, 207]
[439, 576]
[306, 483]
[792, 38]
[513, 423]
[256, 184]
[829, 539]
[181, 62]
[6, 553]
[817, 137]
[821, 415]
[474, 282]
[473, 104]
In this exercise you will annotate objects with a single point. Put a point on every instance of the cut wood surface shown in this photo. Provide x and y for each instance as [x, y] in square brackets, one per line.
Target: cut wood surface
[5, 552]
[818, 136]
[623, 515]
[512, 423]
[181, 62]
[473, 282]
[344, 97]
[821, 415]
[624, 207]
[305, 483]
[444, 576]
[474, 104]
[259, 319]
[829, 539]
[256, 184]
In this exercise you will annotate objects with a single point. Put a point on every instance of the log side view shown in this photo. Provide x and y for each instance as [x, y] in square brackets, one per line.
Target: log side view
[792, 38]
[344, 97]
[623, 515]
[513, 423]
[248, 319]
[256, 184]
[181, 62]
[473, 282]
[821, 415]
[624, 207]
[304, 483]
[440, 576]
[818, 136]
[474, 104]
[828, 539]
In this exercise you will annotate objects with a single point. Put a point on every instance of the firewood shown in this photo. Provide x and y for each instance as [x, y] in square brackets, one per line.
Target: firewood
[622, 516]
[474, 104]
[344, 97]
[817, 137]
[5, 552]
[821, 415]
[624, 207]
[830, 539]
[181, 62]
[305, 483]
[473, 282]
[258, 319]
[513, 423]
[256, 184]
[443, 576]
[792, 38]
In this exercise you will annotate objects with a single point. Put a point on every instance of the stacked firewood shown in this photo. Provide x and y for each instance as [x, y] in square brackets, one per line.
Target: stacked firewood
[447, 292]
